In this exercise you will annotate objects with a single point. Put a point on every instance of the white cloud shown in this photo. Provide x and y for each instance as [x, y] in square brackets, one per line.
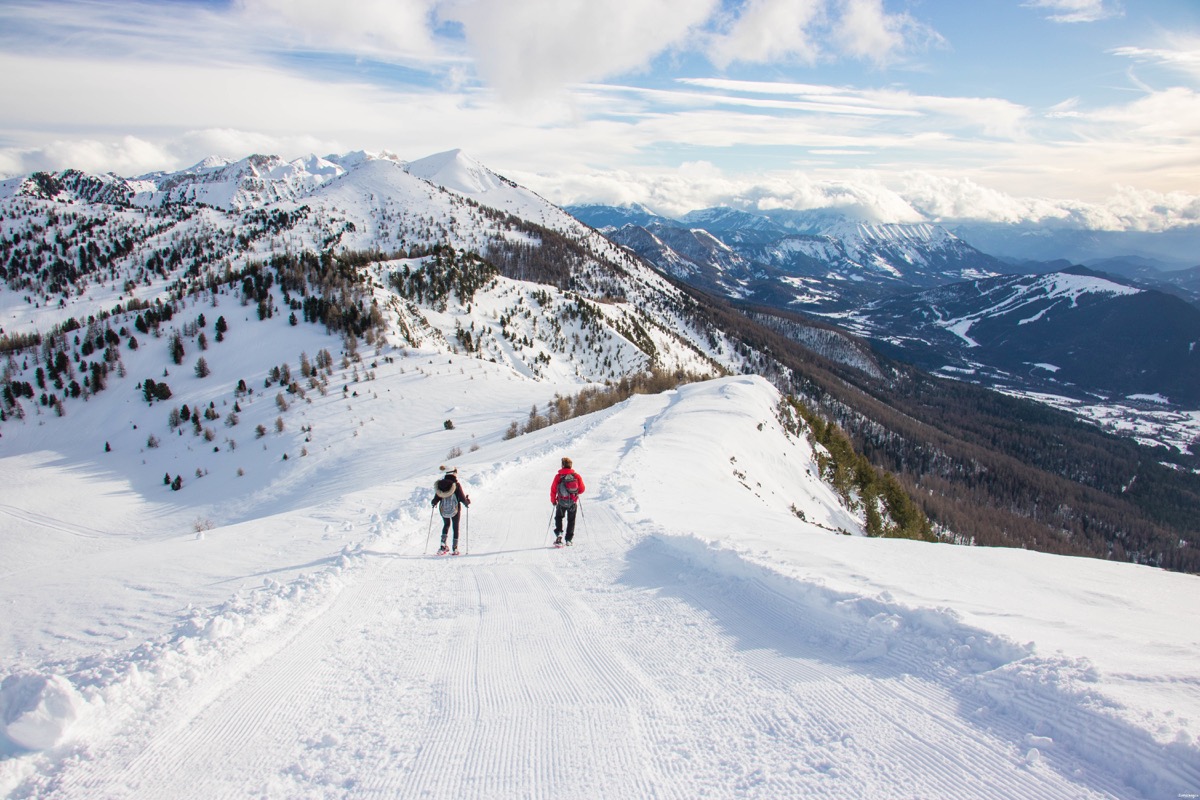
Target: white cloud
[389, 29]
[808, 31]
[536, 47]
[1157, 117]
[866, 31]
[768, 30]
[944, 198]
[700, 184]
[172, 97]
[992, 116]
[1181, 53]
[910, 197]
[1078, 10]
[130, 155]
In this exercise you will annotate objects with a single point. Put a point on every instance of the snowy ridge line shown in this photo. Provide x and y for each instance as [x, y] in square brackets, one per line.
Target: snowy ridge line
[1049, 708]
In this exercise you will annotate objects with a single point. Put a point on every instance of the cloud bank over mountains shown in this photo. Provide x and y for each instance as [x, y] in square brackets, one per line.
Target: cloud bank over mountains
[911, 197]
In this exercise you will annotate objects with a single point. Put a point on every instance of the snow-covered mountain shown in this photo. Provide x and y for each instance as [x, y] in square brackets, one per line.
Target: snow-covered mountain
[801, 260]
[251, 182]
[228, 216]
[1075, 332]
[599, 215]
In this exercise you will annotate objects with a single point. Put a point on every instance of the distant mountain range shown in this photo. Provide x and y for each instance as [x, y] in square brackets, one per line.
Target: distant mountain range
[1173, 249]
[925, 295]
[809, 261]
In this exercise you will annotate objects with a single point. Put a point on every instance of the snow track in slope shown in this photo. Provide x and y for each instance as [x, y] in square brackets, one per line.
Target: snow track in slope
[758, 705]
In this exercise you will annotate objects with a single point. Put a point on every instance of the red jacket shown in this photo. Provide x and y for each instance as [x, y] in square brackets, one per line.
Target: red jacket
[559, 477]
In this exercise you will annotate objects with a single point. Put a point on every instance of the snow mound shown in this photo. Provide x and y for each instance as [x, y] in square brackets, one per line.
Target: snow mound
[38, 711]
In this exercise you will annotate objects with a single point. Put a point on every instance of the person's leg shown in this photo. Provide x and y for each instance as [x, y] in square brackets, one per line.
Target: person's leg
[571, 522]
[558, 523]
[445, 529]
[455, 520]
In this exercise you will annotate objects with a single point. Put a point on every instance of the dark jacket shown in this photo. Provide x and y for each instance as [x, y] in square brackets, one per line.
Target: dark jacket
[447, 486]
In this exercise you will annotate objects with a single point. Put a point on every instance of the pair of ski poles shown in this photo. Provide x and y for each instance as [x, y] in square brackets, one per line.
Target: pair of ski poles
[466, 527]
[466, 533]
[582, 520]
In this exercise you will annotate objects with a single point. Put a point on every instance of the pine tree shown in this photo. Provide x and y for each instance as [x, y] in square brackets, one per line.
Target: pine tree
[177, 348]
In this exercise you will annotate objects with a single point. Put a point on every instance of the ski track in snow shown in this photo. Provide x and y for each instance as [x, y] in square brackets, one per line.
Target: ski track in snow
[624, 667]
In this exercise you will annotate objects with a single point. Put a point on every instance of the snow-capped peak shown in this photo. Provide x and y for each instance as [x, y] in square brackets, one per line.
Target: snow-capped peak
[209, 163]
[457, 171]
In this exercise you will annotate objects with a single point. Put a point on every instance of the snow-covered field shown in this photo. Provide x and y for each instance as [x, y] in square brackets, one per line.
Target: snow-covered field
[282, 633]
[1146, 419]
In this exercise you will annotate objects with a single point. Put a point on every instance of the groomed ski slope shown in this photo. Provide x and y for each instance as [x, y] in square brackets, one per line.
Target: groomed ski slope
[700, 641]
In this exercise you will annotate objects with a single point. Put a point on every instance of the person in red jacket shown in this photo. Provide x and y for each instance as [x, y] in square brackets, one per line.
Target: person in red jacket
[564, 494]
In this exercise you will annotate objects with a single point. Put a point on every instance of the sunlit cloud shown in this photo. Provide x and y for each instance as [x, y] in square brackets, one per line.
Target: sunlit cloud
[1180, 53]
[1078, 10]
[865, 30]
[536, 47]
[767, 30]
[908, 197]
[992, 115]
[390, 29]
[810, 31]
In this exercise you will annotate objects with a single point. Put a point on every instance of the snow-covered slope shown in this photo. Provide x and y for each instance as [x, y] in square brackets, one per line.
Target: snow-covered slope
[711, 633]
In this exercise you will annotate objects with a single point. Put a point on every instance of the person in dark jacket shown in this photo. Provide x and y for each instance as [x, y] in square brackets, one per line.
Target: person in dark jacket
[449, 498]
[564, 494]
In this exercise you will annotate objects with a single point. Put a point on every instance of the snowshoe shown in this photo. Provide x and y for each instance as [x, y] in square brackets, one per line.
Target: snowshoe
[443, 550]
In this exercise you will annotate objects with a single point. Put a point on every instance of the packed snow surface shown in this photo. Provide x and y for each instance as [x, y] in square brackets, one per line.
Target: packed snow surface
[718, 629]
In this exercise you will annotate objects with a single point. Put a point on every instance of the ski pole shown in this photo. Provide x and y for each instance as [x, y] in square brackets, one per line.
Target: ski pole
[548, 521]
[429, 530]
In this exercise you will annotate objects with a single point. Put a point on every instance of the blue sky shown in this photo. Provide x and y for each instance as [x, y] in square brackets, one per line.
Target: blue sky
[1079, 110]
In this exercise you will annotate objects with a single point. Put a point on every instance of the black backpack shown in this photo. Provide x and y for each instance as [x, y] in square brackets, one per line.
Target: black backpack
[568, 490]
